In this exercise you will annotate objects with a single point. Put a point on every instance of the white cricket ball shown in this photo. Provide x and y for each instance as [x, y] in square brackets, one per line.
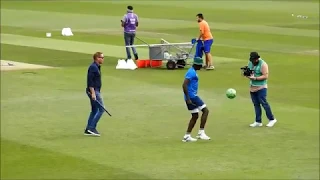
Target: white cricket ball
[48, 34]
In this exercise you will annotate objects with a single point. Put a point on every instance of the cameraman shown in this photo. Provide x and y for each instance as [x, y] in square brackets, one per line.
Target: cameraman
[258, 75]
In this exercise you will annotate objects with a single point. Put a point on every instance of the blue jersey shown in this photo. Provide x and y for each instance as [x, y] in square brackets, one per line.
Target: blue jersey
[193, 84]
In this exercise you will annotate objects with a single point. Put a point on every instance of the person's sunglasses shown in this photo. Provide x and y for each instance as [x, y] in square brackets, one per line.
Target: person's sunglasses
[101, 57]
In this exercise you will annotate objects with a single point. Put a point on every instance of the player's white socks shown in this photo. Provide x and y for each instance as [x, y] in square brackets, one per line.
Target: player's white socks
[201, 131]
[202, 135]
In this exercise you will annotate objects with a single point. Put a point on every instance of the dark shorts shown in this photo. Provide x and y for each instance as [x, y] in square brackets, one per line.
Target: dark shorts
[197, 105]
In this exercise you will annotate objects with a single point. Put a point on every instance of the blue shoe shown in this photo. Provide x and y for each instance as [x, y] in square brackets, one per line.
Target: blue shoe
[94, 132]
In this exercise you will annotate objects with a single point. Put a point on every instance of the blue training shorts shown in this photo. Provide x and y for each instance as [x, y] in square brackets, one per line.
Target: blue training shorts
[207, 45]
[197, 105]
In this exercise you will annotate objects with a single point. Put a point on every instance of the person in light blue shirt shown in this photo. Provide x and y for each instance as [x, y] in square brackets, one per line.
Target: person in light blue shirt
[194, 102]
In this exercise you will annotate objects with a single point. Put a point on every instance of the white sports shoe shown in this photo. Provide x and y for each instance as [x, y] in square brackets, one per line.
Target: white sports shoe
[271, 123]
[203, 136]
[256, 124]
[188, 139]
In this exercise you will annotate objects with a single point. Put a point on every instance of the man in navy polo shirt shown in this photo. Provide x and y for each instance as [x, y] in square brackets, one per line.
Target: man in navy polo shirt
[93, 92]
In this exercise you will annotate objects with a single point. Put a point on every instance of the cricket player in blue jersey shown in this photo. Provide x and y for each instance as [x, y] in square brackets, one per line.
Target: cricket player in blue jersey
[194, 102]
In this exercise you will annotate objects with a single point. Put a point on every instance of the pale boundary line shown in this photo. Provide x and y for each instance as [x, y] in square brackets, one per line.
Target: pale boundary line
[7, 65]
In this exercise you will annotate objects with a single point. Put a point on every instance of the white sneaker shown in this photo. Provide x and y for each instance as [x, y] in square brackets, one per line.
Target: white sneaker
[256, 124]
[271, 123]
[203, 136]
[188, 139]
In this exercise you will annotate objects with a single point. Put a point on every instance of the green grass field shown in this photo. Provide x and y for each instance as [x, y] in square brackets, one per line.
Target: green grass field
[44, 112]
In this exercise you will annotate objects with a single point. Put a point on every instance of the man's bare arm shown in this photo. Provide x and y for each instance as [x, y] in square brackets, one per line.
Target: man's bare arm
[123, 21]
[201, 31]
[265, 72]
[137, 22]
[185, 88]
[200, 35]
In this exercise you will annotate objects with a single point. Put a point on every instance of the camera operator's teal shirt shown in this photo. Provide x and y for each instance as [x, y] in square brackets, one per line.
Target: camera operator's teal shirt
[257, 73]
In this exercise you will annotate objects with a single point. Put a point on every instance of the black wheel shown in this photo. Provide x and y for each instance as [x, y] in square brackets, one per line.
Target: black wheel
[181, 63]
[171, 65]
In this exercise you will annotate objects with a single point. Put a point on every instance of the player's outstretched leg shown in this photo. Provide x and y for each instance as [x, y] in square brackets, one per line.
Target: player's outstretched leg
[187, 137]
[204, 117]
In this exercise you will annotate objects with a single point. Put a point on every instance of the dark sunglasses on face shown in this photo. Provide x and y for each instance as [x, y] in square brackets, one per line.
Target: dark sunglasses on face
[101, 57]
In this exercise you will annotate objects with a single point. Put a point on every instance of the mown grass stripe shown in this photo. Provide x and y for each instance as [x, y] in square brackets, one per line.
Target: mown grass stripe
[78, 47]
[38, 19]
